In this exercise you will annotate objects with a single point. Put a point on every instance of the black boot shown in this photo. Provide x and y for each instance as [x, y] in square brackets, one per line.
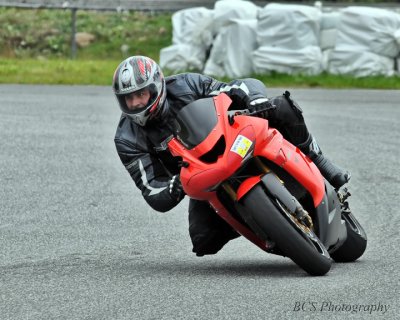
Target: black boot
[336, 176]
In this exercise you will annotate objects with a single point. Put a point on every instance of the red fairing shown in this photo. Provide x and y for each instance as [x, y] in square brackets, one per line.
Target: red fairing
[247, 185]
[200, 177]
[295, 162]
[247, 136]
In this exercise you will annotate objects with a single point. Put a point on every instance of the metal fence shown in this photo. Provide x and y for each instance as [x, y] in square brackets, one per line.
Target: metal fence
[104, 5]
[147, 5]
[162, 5]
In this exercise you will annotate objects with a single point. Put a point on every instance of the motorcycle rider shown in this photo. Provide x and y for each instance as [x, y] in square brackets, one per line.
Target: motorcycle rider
[149, 102]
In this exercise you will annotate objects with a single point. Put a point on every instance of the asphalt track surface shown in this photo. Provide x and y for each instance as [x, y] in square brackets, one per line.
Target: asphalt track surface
[78, 242]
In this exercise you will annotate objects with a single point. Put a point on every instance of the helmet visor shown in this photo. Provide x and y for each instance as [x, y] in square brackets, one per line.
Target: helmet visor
[138, 101]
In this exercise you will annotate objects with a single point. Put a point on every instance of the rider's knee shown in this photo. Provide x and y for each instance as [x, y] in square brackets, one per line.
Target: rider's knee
[287, 111]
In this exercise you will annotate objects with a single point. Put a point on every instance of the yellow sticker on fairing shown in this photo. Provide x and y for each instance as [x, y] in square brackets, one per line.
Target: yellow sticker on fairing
[241, 145]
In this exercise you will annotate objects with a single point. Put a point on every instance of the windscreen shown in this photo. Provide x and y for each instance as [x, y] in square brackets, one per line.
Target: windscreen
[195, 121]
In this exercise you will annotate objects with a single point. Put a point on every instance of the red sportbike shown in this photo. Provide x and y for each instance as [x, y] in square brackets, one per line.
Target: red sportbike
[263, 186]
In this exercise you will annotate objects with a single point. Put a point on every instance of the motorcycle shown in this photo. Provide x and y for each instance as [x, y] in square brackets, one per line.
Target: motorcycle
[263, 186]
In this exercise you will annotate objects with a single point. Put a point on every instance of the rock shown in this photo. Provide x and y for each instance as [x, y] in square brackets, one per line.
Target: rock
[83, 39]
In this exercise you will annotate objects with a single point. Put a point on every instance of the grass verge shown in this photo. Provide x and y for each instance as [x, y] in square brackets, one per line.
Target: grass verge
[91, 72]
[35, 49]
[100, 72]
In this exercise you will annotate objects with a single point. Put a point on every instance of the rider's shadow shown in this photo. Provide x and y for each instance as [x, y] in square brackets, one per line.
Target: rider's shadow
[245, 269]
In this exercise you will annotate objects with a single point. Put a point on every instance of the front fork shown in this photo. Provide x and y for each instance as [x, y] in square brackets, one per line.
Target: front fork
[299, 214]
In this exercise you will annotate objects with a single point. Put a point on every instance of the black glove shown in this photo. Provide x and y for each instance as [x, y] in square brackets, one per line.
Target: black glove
[260, 107]
[175, 188]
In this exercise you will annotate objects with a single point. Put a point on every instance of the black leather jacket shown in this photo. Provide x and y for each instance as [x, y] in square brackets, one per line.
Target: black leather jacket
[143, 150]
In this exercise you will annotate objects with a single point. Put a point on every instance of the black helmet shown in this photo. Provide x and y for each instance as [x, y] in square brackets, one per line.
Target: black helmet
[137, 73]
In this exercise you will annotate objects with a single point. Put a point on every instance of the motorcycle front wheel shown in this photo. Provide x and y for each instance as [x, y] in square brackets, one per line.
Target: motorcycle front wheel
[271, 221]
[356, 241]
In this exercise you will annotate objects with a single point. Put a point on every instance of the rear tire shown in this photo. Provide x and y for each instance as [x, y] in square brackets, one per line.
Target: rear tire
[268, 219]
[356, 241]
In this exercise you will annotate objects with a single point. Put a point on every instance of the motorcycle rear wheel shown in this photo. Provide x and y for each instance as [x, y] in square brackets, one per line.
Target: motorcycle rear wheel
[269, 221]
[356, 241]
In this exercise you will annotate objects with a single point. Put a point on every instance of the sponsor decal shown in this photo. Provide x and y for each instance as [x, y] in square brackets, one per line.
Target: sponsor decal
[241, 145]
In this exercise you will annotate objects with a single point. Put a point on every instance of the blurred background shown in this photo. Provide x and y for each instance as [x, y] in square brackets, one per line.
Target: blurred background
[77, 239]
[297, 43]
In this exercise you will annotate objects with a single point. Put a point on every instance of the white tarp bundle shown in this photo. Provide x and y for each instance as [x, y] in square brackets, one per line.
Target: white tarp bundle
[191, 38]
[368, 40]
[288, 26]
[327, 35]
[306, 60]
[328, 30]
[360, 63]
[234, 28]
[243, 39]
[230, 56]
[227, 10]
[288, 38]
[182, 57]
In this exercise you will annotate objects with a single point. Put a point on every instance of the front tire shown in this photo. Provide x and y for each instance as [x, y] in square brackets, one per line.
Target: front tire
[356, 241]
[271, 222]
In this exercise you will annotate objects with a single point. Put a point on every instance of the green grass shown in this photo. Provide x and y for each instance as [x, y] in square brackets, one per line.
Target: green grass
[35, 49]
[100, 72]
[30, 71]
[47, 33]
[331, 81]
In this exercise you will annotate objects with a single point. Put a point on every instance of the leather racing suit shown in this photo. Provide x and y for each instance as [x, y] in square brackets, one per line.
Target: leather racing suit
[144, 152]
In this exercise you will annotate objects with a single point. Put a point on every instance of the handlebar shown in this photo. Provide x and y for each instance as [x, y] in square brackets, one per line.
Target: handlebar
[233, 113]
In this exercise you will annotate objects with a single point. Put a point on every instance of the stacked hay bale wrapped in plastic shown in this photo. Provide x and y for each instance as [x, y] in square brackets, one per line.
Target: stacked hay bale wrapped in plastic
[192, 36]
[288, 39]
[367, 43]
[238, 39]
[235, 24]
